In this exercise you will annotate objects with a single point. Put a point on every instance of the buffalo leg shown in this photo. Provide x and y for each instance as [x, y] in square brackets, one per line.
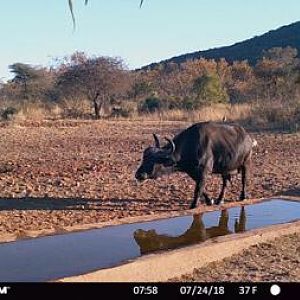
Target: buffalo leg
[199, 175]
[208, 166]
[244, 170]
[208, 201]
[222, 193]
[198, 193]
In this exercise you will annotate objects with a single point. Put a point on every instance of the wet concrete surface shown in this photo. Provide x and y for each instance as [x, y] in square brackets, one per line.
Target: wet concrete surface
[53, 257]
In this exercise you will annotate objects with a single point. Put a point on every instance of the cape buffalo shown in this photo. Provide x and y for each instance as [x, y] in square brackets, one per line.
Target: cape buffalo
[204, 147]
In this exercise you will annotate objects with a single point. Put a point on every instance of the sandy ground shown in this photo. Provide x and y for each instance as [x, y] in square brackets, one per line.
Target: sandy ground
[276, 260]
[55, 175]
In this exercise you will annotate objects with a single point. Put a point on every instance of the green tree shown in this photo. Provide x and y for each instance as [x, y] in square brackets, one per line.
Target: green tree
[208, 90]
[140, 88]
[151, 105]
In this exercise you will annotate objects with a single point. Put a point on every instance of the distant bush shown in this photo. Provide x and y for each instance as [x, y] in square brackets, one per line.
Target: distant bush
[172, 103]
[208, 89]
[151, 105]
[276, 115]
[189, 104]
[120, 112]
[75, 108]
[8, 113]
[124, 109]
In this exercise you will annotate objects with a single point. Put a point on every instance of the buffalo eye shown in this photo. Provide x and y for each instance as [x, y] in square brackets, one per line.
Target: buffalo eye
[169, 163]
[166, 162]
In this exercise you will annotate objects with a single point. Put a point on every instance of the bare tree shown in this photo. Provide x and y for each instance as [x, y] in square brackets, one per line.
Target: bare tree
[98, 79]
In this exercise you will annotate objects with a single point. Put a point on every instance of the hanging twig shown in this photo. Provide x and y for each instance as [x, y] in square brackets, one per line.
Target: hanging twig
[85, 2]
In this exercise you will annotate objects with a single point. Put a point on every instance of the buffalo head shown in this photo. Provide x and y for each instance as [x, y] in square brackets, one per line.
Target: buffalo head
[156, 160]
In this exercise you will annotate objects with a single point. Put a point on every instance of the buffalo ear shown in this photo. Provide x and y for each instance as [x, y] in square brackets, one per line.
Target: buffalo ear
[157, 143]
[171, 143]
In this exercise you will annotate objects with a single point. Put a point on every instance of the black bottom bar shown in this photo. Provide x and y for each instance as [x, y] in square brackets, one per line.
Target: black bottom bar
[172, 291]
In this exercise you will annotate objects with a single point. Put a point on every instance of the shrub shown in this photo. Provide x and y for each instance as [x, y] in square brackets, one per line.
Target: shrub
[121, 112]
[151, 105]
[276, 115]
[75, 108]
[209, 90]
[190, 104]
[8, 113]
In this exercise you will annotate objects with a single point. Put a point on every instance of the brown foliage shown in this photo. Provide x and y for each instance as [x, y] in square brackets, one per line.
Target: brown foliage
[104, 82]
[99, 79]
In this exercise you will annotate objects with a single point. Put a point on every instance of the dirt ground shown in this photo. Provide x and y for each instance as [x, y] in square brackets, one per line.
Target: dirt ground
[277, 260]
[57, 174]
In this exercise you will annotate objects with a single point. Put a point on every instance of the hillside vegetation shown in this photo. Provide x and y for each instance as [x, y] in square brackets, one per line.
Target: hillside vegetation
[266, 93]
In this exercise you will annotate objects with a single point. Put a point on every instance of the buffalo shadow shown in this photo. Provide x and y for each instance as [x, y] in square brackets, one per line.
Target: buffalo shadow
[51, 203]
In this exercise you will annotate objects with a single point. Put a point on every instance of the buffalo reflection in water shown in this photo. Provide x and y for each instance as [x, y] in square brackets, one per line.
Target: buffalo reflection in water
[150, 241]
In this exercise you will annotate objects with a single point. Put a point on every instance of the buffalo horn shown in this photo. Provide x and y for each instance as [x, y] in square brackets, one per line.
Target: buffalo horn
[157, 144]
[172, 145]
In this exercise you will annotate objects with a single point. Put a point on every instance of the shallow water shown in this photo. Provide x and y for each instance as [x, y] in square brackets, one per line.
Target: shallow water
[53, 257]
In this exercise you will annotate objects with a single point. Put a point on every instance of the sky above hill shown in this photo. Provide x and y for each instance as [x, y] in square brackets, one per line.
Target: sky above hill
[38, 31]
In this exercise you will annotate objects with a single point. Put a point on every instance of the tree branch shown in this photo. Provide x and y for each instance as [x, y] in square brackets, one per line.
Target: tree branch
[85, 2]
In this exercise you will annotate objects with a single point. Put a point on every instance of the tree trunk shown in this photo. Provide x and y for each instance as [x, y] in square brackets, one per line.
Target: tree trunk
[97, 106]
[25, 90]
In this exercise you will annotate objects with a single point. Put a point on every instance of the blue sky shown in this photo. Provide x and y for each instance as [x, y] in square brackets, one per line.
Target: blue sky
[37, 31]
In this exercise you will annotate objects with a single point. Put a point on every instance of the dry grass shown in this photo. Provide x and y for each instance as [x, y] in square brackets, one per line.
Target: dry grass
[285, 116]
[75, 108]
[29, 112]
[209, 113]
[39, 111]
[264, 115]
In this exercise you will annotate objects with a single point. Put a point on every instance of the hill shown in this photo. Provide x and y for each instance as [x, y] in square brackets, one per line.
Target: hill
[250, 49]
